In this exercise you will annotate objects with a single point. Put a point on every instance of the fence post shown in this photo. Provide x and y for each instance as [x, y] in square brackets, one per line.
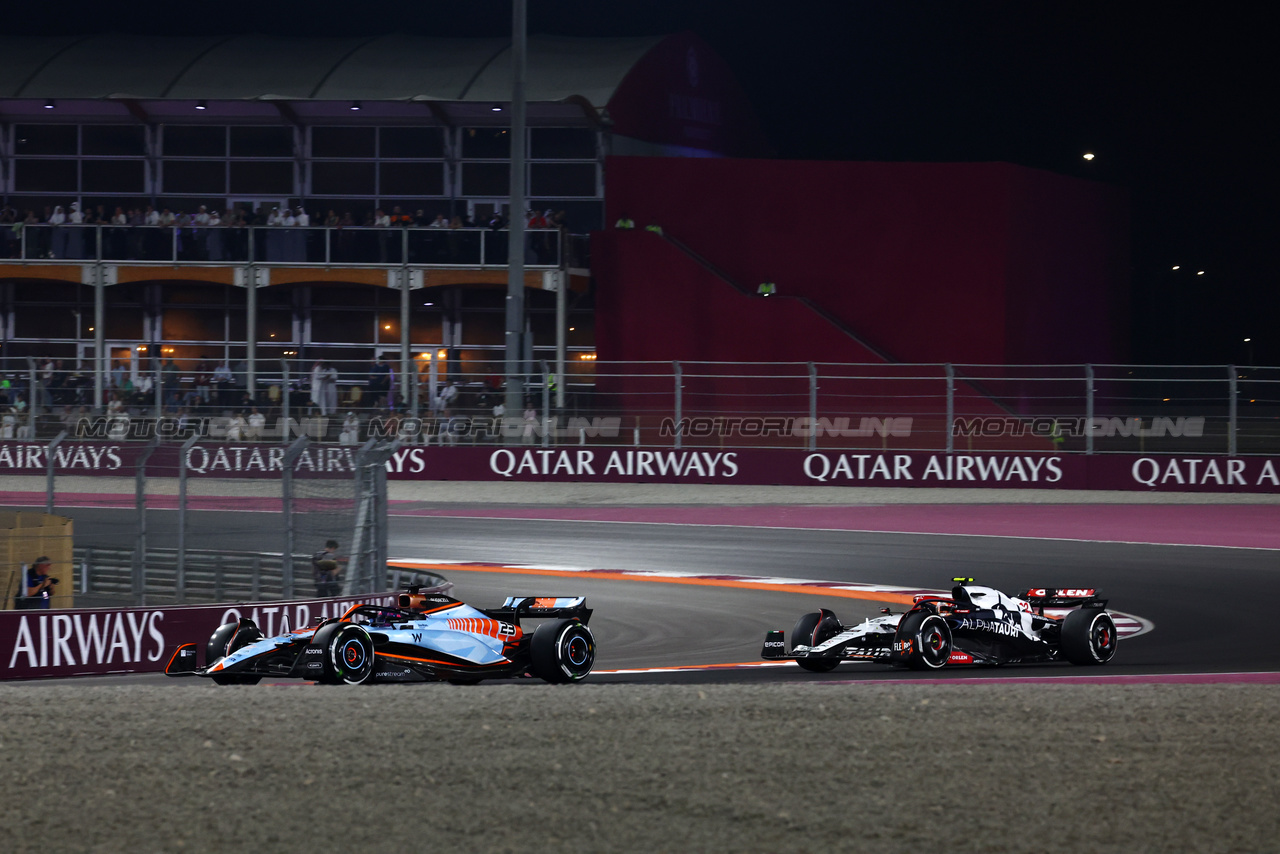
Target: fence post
[286, 493]
[951, 405]
[138, 581]
[679, 377]
[180, 573]
[1088, 409]
[34, 389]
[284, 401]
[813, 406]
[85, 562]
[546, 404]
[1233, 387]
[48, 478]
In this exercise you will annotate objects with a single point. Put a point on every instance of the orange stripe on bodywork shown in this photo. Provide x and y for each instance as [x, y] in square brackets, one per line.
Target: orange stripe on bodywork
[868, 595]
[434, 661]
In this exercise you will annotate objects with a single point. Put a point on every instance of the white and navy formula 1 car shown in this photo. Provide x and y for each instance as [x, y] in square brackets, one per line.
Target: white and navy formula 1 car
[428, 637]
[975, 625]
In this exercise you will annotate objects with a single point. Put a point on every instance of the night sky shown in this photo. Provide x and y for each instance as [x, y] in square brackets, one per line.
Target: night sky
[1175, 101]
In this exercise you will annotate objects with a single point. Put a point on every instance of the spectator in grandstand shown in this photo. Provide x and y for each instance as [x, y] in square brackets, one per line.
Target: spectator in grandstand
[256, 425]
[222, 385]
[326, 570]
[350, 434]
[204, 380]
[236, 427]
[625, 222]
[324, 387]
[530, 423]
[58, 234]
[441, 222]
[379, 383]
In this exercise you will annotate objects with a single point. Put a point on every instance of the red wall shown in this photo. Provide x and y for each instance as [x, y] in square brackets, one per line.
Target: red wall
[964, 263]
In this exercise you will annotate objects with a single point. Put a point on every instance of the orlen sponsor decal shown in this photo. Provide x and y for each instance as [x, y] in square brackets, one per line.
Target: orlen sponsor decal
[958, 657]
[1197, 471]
[942, 468]
[578, 463]
[1067, 592]
[105, 638]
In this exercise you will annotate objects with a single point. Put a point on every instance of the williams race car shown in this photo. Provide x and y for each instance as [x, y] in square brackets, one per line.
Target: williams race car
[428, 637]
[975, 625]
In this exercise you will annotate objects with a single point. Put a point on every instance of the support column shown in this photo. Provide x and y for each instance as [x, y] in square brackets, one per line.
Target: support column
[101, 364]
[515, 233]
[406, 359]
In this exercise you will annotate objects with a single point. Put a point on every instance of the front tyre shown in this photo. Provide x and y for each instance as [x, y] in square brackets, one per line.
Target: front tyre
[1089, 637]
[562, 651]
[923, 642]
[225, 640]
[813, 630]
[348, 656]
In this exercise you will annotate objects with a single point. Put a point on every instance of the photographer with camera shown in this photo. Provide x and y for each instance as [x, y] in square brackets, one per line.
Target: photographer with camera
[39, 585]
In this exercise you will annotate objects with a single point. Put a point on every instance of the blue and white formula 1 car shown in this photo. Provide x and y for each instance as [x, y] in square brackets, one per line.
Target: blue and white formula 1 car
[428, 637]
[975, 625]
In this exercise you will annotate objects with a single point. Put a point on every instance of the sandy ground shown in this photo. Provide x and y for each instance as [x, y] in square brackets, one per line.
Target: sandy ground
[529, 767]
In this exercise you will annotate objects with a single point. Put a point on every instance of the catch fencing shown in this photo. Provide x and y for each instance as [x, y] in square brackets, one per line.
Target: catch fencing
[180, 545]
[448, 400]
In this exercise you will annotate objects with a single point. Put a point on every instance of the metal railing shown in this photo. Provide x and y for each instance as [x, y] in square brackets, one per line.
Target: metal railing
[1067, 408]
[207, 576]
[333, 246]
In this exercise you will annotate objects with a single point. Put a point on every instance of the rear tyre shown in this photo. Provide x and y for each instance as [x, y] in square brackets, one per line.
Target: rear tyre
[348, 656]
[227, 639]
[812, 630]
[1089, 637]
[562, 651]
[923, 642]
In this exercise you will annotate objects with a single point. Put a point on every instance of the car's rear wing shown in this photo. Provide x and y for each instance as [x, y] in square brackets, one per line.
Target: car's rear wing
[538, 607]
[1064, 597]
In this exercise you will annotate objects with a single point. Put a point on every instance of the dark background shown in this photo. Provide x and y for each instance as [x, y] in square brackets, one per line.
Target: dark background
[1175, 100]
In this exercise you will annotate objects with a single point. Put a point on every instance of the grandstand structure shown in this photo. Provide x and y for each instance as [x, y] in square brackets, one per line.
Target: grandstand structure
[250, 126]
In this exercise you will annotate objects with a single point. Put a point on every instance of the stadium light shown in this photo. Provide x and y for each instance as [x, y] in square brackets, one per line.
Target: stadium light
[1088, 155]
[49, 105]
[202, 105]
[355, 105]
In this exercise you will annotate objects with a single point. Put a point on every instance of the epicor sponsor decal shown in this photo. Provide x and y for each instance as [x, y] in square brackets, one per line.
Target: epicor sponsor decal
[1197, 471]
[631, 463]
[66, 640]
[940, 467]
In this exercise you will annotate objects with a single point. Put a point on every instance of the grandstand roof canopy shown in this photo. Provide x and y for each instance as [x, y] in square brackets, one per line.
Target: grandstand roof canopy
[664, 89]
[389, 68]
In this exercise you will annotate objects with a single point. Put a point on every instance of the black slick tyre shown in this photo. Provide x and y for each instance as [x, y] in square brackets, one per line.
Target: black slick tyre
[1089, 637]
[225, 640]
[812, 630]
[348, 656]
[923, 642]
[562, 651]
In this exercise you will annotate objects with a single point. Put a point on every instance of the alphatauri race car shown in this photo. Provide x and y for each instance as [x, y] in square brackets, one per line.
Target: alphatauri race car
[975, 625]
[428, 637]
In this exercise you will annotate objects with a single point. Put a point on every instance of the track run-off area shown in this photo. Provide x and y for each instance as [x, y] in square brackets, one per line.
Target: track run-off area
[682, 739]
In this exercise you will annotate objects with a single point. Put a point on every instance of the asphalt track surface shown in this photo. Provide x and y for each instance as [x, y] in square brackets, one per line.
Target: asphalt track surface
[1212, 607]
